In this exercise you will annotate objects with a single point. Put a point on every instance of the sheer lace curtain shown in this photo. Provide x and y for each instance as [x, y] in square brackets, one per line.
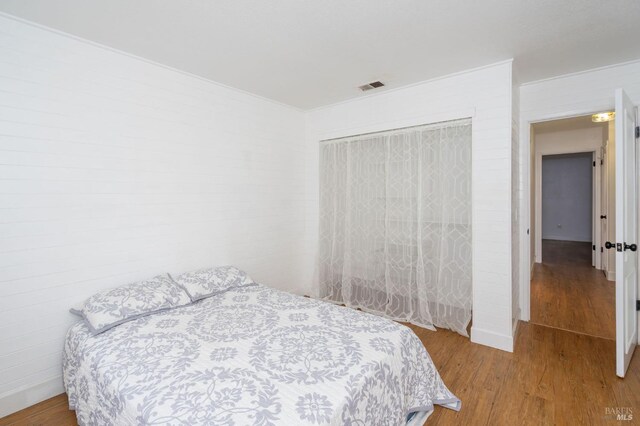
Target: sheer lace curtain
[395, 224]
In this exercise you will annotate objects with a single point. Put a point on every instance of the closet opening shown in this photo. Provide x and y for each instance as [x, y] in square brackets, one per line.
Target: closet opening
[395, 224]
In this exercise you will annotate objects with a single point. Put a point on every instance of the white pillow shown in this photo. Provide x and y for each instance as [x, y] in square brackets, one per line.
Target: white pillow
[110, 308]
[208, 282]
[77, 309]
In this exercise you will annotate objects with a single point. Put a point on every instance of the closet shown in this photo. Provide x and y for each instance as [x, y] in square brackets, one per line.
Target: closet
[395, 223]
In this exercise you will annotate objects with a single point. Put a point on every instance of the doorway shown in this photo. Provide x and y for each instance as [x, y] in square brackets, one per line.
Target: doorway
[568, 206]
[569, 289]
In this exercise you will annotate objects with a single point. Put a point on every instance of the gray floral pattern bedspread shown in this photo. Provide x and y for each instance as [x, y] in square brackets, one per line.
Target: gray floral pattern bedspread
[251, 356]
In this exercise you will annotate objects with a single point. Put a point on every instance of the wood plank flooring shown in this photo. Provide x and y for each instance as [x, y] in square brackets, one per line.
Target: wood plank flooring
[54, 411]
[554, 377]
[568, 293]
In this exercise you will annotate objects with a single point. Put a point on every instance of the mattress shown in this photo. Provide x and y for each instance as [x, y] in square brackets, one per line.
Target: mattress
[252, 356]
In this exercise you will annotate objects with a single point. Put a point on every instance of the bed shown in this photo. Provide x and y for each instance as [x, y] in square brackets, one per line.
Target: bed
[252, 356]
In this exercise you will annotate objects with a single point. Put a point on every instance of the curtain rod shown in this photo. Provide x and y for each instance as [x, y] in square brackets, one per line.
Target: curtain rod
[381, 132]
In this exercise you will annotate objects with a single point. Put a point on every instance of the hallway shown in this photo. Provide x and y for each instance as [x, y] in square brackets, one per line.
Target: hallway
[569, 294]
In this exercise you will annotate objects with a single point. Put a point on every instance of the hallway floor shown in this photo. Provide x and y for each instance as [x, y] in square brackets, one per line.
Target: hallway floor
[569, 294]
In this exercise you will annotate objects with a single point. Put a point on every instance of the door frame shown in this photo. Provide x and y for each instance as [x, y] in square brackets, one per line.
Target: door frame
[604, 205]
[526, 266]
[596, 222]
[638, 206]
[595, 201]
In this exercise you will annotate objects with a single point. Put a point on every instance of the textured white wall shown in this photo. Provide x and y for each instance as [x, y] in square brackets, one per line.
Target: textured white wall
[486, 96]
[567, 197]
[516, 194]
[579, 93]
[114, 169]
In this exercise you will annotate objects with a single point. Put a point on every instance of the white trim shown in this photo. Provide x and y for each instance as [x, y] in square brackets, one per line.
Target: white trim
[408, 86]
[419, 127]
[638, 224]
[596, 237]
[610, 275]
[28, 396]
[418, 120]
[572, 74]
[567, 114]
[575, 238]
[489, 338]
[526, 265]
[538, 198]
[525, 219]
[537, 207]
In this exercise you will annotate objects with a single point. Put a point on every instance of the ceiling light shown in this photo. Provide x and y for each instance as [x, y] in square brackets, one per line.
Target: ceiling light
[601, 117]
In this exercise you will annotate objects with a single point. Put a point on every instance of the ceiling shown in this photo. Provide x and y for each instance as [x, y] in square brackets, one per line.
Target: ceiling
[568, 124]
[308, 53]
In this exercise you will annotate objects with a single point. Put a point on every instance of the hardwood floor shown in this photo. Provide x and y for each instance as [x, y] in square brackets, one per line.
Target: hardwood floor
[554, 377]
[54, 411]
[568, 293]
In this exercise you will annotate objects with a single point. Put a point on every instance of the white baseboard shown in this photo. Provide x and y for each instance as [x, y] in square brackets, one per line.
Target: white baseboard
[492, 339]
[611, 276]
[26, 397]
[573, 238]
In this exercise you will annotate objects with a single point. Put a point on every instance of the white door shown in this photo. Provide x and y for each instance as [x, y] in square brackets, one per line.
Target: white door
[596, 223]
[604, 208]
[626, 232]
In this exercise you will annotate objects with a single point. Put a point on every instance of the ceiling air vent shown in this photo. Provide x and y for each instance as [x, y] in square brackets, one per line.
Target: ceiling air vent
[372, 85]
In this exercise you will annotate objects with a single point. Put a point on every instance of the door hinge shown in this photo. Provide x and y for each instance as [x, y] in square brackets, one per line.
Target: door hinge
[593, 247]
[637, 305]
[601, 162]
[637, 132]
[594, 164]
[601, 250]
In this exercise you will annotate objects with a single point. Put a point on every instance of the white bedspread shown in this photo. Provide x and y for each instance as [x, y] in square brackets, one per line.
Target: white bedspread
[249, 356]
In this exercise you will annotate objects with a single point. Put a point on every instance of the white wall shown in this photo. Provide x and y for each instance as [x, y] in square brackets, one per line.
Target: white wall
[486, 96]
[114, 169]
[567, 197]
[579, 93]
[529, 250]
[569, 141]
[565, 96]
[516, 190]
